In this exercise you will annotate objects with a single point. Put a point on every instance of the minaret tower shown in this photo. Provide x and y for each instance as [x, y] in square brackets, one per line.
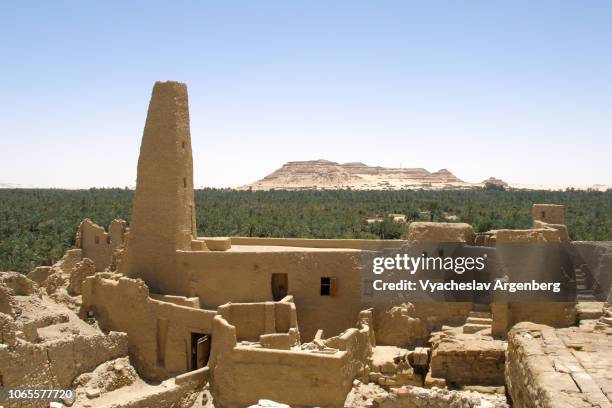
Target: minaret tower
[163, 209]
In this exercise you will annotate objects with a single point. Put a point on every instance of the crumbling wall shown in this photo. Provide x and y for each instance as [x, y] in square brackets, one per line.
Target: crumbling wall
[16, 285]
[410, 324]
[242, 374]
[528, 235]
[159, 332]
[356, 341]
[439, 232]
[397, 326]
[99, 245]
[468, 360]
[252, 320]
[63, 280]
[45, 345]
[116, 383]
[408, 396]
[56, 363]
[562, 231]
[82, 270]
[69, 260]
[442, 313]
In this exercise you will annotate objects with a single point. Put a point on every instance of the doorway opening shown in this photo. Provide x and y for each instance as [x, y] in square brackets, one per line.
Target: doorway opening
[280, 284]
[200, 350]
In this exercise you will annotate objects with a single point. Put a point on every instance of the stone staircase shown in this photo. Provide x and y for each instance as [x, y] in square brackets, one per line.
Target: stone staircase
[583, 293]
[478, 319]
[588, 308]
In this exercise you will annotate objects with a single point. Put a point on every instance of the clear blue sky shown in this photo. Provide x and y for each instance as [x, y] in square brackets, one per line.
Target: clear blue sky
[520, 90]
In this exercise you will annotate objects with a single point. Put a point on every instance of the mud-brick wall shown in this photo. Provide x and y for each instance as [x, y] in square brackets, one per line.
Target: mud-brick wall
[99, 245]
[254, 319]
[550, 213]
[469, 362]
[241, 375]
[437, 314]
[320, 243]
[159, 333]
[221, 277]
[55, 364]
[555, 314]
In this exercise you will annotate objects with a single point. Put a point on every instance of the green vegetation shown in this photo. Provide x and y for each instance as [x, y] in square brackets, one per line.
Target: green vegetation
[37, 226]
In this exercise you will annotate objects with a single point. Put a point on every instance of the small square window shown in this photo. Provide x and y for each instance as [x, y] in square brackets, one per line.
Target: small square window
[329, 286]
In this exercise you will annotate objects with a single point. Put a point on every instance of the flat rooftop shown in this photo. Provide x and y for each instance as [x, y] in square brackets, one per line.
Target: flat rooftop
[255, 244]
[272, 248]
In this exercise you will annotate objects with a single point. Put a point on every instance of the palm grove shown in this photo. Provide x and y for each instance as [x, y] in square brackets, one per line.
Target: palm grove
[37, 226]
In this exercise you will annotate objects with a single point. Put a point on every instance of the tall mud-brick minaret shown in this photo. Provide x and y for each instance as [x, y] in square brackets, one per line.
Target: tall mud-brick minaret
[163, 210]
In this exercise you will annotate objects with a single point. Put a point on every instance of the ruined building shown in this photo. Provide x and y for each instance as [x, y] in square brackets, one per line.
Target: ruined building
[230, 321]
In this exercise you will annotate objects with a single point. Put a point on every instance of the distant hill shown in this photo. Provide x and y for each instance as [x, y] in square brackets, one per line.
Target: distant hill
[328, 175]
[12, 185]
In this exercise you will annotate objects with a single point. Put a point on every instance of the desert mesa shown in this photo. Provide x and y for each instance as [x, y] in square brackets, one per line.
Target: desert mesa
[329, 175]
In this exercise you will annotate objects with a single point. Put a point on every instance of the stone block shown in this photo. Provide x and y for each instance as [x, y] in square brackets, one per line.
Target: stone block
[218, 243]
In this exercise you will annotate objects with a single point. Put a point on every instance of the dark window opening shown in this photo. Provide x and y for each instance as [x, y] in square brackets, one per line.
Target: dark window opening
[97, 239]
[183, 145]
[200, 350]
[108, 239]
[280, 284]
[185, 182]
[543, 214]
[325, 286]
[328, 286]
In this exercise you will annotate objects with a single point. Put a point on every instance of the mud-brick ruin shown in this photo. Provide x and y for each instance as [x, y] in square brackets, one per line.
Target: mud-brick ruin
[151, 315]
